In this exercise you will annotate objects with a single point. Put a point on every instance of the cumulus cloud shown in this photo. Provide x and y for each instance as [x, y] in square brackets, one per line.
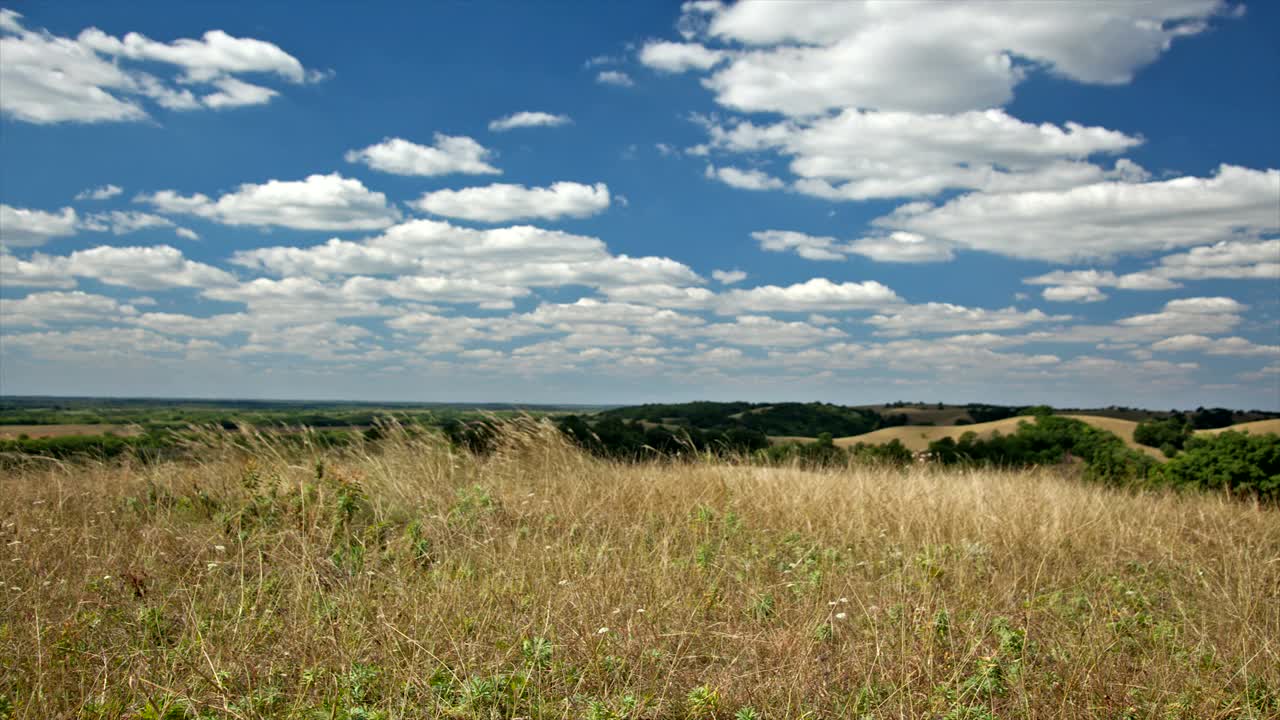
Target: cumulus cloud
[616, 78]
[502, 202]
[764, 331]
[815, 295]
[901, 247]
[1237, 346]
[803, 58]
[744, 179]
[104, 192]
[23, 227]
[1187, 316]
[1074, 293]
[120, 222]
[449, 154]
[37, 272]
[52, 79]
[676, 57]
[1226, 259]
[141, 268]
[896, 247]
[728, 277]
[935, 317]
[233, 93]
[526, 119]
[41, 308]
[1097, 278]
[1103, 220]
[320, 202]
[862, 154]
[510, 257]
[808, 247]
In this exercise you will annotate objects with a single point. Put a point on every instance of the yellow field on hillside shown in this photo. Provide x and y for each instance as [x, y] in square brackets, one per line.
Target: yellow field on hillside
[1122, 429]
[1257, 427]
[48, 431]
[918, 437]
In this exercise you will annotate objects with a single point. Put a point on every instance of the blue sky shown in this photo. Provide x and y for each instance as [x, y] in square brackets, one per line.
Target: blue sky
[1076, 204]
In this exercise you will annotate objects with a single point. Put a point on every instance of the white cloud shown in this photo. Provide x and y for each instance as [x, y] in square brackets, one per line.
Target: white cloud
[898, 247]
[39, 309]
[935, 317]
[901, 247]
[99, 344]
[676, 57]
[802, 58]
[233, 93]
[861, 155]
[186, 233]
[662, 295]
[1074, 293]
[528, 119]
[505, 258]
[616, 78]
[728, 277]
[759, 330]
[121, 222]
[502, 202]
[447, 155]
[1186, 316]
[1096, 278]
[815, 295]
[52, 79]
[104, 192]
[214, 56]
[37, 272]
[1103, 220]
[1225, 259]
[744, 179]
[808, 247]
[320, 202]
[142, 268]
[1237, 346]
[21, 227]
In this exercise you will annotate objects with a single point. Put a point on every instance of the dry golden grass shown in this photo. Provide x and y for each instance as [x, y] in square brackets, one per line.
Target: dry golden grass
[411, 581]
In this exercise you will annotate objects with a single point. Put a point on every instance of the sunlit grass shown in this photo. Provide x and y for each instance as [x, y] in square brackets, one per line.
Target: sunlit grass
[408, 580]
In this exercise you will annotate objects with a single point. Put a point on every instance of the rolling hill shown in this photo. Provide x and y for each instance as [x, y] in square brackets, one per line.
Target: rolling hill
[917, 437]
[1257, 427]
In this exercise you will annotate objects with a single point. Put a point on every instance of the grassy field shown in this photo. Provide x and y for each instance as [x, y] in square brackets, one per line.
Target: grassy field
[406, 580]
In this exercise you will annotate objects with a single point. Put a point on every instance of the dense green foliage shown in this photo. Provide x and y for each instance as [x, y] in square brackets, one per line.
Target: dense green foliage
[163, 414]
[1240, 463]
[1047, 441]
[614, 437]
[95, 446]
[990, 413]
[784, 419]
[1169, 434]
